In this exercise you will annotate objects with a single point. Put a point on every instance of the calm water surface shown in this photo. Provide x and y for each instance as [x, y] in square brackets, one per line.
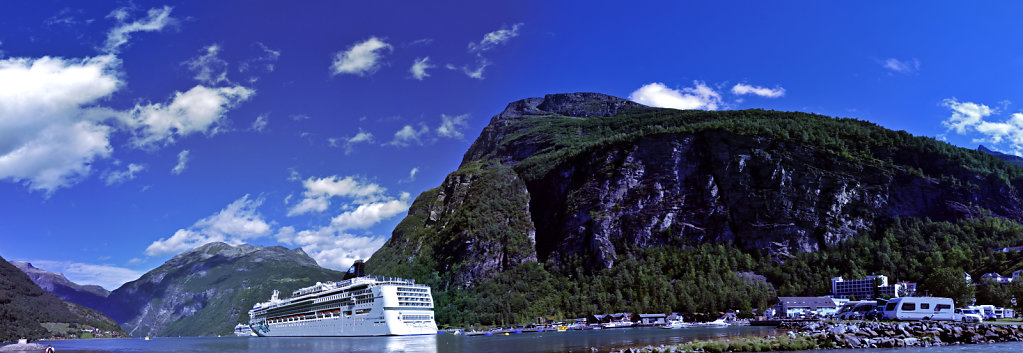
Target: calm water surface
[573, 341]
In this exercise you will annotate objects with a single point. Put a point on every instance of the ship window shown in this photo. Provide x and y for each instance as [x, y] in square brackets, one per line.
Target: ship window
[909, 306]
[924, 306]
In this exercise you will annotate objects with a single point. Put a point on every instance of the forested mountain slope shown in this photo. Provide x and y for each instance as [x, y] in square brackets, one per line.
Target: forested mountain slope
[607, 205]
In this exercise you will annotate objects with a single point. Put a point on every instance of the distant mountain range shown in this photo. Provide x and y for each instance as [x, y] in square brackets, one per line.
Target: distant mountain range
[88, 295]
[209, 289]
[24, 306]
[1006, 157]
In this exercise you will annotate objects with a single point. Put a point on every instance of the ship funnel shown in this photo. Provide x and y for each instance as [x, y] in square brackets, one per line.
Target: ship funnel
[358, 269]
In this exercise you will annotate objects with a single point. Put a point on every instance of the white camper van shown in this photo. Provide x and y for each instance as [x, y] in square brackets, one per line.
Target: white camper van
[920, 308]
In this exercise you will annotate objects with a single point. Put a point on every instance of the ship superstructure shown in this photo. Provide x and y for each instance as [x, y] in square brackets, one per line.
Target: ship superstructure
[356, 306]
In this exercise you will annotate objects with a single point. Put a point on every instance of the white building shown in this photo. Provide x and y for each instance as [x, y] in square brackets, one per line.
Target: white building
[996, 277]
[805, 306]
[868, 288]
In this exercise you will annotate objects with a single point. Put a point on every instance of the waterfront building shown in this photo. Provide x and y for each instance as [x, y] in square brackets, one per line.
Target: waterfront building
[906, 289]
[649, 319]
[873, 286]
[805, 306]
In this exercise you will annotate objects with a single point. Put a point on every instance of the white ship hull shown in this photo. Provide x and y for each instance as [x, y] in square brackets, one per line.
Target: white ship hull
[341, 327]
[358, 307]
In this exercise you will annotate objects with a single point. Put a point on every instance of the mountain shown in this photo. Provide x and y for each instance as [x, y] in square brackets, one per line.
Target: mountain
[89, 295]
[24, 306]
[1006, 157]
[209, 289]
[610, 206]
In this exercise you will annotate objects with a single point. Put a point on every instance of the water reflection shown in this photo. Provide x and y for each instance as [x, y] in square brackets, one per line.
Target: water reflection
[418, 344]
[531, 342]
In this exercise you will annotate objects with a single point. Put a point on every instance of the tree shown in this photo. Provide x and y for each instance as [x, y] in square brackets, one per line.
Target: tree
[994, 293]
[949, 282]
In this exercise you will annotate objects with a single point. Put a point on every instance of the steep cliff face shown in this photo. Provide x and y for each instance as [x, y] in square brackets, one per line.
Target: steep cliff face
[208, 290]
[476, 224]
[604, 175]
[89, 295]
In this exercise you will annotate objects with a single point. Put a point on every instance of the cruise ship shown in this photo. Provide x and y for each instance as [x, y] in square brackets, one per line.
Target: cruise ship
[358, 305]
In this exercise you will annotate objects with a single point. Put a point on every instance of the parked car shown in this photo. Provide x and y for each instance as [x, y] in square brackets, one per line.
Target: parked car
[968, 315]
[877, 313]
[855, 311]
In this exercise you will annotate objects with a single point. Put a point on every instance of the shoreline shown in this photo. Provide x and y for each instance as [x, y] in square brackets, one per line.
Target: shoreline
[849, 335]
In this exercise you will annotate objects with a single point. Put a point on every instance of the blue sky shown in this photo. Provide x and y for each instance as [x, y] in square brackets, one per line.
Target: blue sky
[132, 131]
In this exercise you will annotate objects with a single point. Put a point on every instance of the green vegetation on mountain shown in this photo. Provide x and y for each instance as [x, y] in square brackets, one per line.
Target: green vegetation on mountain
[210, 289]
[566, 138]
[640, 209]
[24, 307]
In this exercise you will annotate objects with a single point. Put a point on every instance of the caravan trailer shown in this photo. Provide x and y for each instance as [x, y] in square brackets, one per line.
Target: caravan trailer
[920, 308]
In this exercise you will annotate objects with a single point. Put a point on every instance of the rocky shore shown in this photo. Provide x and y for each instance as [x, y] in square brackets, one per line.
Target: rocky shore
[826, 335]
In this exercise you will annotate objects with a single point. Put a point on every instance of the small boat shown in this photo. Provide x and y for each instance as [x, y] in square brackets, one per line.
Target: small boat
[147, 338]
[562, 328]
[673, 324]
[617, 324]
[717, 323]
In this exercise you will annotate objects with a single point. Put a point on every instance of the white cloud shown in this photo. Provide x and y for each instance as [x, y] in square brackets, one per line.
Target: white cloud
[411, 176]
[419, 67]
[329, 247]
[209, 68]
[476, 73]
[266, 60]
[298, 117]
[200, 109]
[182, 163]
[332, 245]
[495, 38]
[900, 66]
[49, 134]
[236, 223]
[361, 137]
[366, 215]
[310, 205]
[319, 191]
[965, 115]
[117, 177]
[408, 135]
[106, 276]
[451, 126]
[970, 118]
[742, 88]
[260, 123]
[361, 58]
[658, 95]
[155, 21]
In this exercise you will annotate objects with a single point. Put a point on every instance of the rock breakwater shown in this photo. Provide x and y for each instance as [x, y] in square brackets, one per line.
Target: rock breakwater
[825, 335]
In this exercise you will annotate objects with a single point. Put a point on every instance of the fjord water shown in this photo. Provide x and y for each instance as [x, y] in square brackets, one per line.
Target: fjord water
[572, 341]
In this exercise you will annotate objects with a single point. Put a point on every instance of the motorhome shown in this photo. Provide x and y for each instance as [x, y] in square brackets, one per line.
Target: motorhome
[920, 308]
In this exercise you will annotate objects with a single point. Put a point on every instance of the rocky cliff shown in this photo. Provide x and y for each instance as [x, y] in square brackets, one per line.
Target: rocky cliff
[585, 181]
[209, 289]
[602, 174]
[88, 295]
